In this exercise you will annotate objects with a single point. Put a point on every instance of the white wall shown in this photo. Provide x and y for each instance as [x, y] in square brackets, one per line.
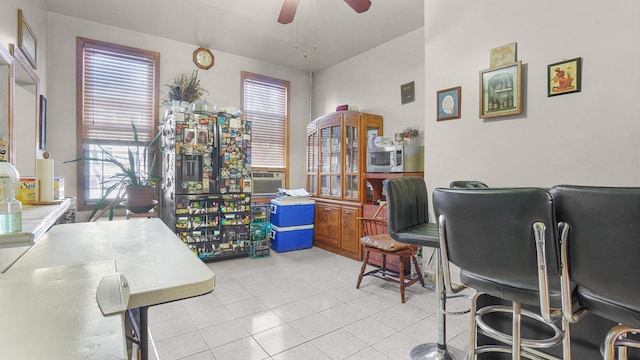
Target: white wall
[25, 114]
[222, 81]
[589, 137]
[372, 82]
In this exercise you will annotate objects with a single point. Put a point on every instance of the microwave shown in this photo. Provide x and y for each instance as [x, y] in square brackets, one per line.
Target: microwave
[395, 159]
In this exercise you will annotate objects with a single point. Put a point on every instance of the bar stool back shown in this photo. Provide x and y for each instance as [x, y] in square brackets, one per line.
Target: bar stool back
[504, 242]
[408, 222]
[467, 184]
[600, 236]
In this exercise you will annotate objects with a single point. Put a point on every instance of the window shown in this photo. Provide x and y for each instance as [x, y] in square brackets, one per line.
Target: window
[265, 102]
[116, 85]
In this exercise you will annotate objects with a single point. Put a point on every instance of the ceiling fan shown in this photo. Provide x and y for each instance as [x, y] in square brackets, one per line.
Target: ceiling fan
[289, 7]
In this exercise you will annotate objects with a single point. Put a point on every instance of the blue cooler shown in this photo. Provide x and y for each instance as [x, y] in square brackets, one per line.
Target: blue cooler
[291, 238]
[286, 213]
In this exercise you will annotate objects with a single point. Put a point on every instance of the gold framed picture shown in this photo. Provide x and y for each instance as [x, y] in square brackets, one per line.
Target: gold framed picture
[27, 41]
[501, 90]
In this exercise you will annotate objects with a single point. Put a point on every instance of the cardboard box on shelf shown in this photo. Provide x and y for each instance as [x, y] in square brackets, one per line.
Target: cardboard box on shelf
[27, 189]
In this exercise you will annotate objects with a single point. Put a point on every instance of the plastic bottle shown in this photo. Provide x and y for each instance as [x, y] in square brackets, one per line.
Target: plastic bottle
[10, 208]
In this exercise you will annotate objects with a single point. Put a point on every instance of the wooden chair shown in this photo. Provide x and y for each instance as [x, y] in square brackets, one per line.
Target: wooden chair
[393, 255]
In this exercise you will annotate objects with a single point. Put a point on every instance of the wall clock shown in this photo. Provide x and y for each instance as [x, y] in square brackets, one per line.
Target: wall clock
[203, 58]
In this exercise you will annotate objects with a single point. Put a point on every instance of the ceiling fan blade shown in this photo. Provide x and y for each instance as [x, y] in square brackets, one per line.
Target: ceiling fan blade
[359, 6]
[288, 11]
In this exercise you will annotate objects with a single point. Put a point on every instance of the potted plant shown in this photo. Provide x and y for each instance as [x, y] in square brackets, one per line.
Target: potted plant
[135, 176]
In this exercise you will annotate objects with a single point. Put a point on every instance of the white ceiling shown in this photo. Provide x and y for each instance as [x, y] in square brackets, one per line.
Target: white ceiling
[249, 28]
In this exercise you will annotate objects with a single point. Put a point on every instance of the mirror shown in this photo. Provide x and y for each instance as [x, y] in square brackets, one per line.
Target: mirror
[25, 115]
[6, 109]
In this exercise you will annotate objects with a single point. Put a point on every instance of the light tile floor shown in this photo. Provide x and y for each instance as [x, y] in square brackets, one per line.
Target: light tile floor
[300, 305]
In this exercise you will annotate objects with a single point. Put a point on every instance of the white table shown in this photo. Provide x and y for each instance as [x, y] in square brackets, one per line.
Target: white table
[36, 220]
[157, 264]
[51, 313]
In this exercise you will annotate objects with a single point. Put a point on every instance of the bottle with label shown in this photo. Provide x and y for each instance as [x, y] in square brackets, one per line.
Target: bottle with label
[10, 208]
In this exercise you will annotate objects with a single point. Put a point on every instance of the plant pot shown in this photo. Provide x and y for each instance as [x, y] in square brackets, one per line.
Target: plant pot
[140, 196]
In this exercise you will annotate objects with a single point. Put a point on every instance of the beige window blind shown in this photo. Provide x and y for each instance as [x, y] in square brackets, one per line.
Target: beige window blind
[266, 104]
[118, 87]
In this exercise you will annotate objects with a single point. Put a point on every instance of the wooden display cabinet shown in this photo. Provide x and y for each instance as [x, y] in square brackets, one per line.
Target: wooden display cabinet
[336, 148]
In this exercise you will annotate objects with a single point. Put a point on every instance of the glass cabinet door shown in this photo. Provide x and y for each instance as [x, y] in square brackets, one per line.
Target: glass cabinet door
[312, 162]
[351, 159]
[331, 161]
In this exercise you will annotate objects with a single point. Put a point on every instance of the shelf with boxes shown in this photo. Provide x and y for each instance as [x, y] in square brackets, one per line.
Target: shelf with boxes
[291, 224]
[260, 228]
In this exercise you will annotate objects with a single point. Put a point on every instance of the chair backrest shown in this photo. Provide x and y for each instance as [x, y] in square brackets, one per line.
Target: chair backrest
[407, 203]
[375, 225]
[603, 238]
[467, 184]
[489, 232]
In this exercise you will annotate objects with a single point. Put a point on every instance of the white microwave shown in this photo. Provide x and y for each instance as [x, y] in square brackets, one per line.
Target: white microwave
[395, 159]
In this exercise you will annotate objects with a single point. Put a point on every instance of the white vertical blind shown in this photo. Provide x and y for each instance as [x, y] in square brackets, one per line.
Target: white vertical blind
[266, 105]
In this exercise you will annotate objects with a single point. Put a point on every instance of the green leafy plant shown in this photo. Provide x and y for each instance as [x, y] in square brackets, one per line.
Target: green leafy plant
[136, 170]
[186, 88]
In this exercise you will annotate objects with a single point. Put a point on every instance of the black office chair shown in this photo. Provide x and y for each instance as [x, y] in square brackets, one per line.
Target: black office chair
[600, 243]
[504, 242]
[467, 184]
[408, 222]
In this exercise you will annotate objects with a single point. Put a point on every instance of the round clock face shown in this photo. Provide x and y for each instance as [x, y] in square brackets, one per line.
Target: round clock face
[203, 58]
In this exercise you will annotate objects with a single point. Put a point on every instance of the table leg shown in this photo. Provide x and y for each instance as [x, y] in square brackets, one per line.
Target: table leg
[144, 334]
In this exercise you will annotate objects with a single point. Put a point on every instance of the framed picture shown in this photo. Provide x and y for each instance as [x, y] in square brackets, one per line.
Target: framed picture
[27, 42]
[449, 103]
[504, 55]
[564, 77]
[42, 124]
[501, 90]
[408, 92]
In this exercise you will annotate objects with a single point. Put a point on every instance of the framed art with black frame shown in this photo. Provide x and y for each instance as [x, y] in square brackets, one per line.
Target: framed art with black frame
[501, 90]
[42, 124]
[449, 103]
[564, 77]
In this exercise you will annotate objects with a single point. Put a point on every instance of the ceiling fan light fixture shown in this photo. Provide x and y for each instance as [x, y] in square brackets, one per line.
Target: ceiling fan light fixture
[359, 6]
[288, 11]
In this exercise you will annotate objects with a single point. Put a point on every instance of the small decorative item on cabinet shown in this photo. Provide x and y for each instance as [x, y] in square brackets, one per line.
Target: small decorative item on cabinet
[410, 134]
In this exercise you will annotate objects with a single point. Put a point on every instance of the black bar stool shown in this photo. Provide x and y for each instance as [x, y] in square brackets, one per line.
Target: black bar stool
[408, 222]
[600, 243]
[467, 184]
[504, 242]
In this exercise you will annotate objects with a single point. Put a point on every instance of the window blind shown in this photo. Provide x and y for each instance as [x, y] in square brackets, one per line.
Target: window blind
[118, 87]
[266, 105]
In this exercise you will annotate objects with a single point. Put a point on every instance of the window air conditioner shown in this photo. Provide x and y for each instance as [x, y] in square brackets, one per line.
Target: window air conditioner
[266, 182]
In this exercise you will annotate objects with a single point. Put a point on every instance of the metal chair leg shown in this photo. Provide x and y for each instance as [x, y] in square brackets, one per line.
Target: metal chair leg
[439, 350]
